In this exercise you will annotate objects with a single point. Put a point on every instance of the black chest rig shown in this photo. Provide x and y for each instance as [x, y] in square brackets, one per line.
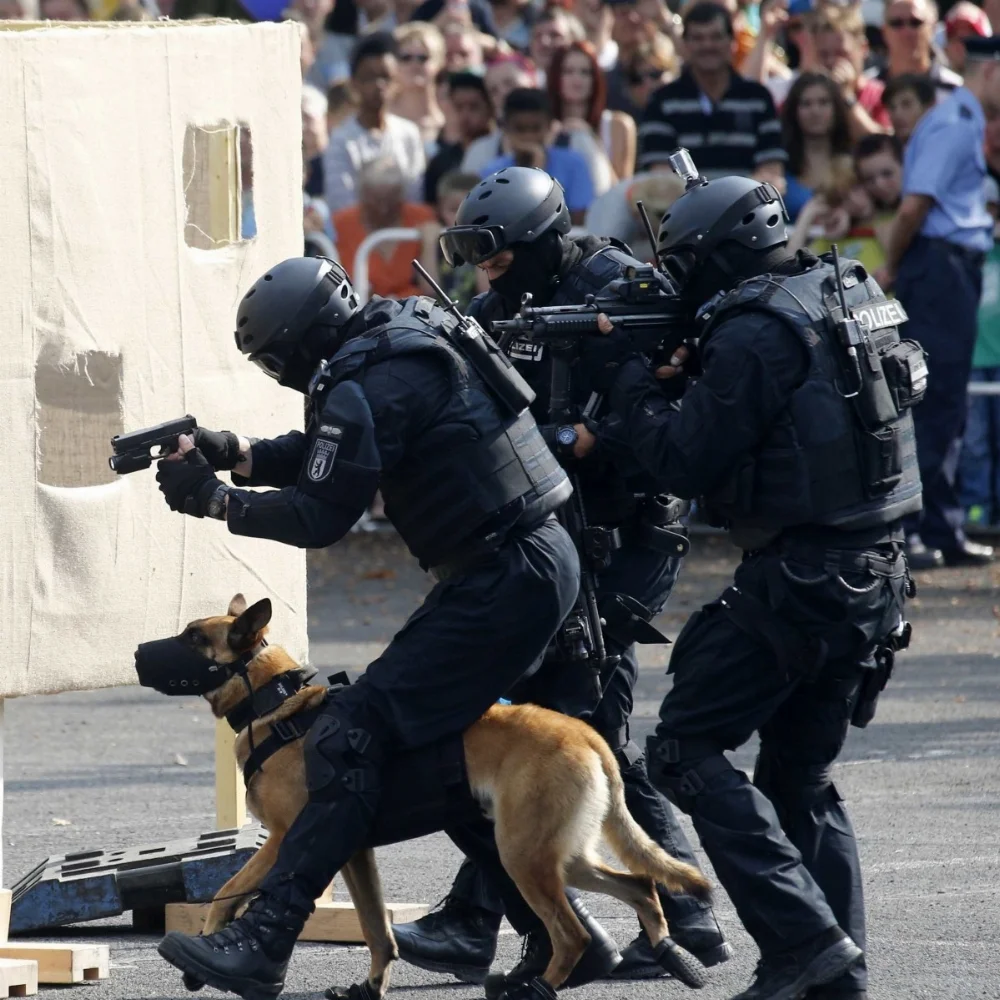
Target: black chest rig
[843, 453]
[479, 467]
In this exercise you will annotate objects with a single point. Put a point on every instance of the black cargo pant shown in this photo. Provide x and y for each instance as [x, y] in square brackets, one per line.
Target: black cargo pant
[783, 847]
[474, 635]
[648, 576]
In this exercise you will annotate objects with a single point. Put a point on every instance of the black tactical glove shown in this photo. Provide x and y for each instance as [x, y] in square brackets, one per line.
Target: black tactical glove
[189, 484]
[603, 354]
[220, 448]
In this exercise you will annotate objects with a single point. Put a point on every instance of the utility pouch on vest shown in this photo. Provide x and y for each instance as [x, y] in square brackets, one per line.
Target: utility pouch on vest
[874, 402]
[881, 457]
[905, 370]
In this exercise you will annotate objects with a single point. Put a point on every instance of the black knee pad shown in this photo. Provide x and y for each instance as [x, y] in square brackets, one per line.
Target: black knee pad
[793, 786]
[343, 754]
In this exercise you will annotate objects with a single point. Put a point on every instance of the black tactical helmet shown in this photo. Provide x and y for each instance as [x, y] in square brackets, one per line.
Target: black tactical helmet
[514, 205]
[730, 209]
[285, 323]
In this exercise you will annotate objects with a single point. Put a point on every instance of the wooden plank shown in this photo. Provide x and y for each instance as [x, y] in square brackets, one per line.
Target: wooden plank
[18, 977]
[58, 962]
[332, 922]
[230, 792]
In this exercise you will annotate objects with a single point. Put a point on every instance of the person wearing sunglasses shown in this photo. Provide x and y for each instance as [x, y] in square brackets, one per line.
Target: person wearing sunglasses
[514, 226]
[653, 64]
[908, 30]
[420, 55]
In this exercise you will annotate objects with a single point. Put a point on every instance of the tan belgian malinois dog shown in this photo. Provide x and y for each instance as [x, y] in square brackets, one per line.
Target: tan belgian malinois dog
[550, 783]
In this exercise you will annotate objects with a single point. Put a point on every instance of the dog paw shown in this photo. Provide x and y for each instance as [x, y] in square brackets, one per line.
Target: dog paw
[192, 982]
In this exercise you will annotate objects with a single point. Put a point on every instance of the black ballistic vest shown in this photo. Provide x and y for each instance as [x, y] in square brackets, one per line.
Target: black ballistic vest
[820, 465]
[477, 469]
[608, 497]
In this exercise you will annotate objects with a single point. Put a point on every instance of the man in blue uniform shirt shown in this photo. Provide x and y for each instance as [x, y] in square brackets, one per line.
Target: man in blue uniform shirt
[935, 259]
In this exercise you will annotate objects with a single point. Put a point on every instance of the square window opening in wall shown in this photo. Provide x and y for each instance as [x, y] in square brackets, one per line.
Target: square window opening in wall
[217, 174]
[78, 410]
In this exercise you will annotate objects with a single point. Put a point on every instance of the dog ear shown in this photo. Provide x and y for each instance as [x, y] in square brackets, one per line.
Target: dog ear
[237, 606]
[249, 623]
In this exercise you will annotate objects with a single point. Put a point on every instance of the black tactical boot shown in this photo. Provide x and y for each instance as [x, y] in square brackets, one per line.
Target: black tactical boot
[789, 975]
[460, 939]
[705, 941]
[828, 993]
[533, 989]
[597, 962]
[248, 958]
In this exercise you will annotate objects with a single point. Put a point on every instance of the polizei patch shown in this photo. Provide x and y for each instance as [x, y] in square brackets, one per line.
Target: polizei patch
[525, 350]
[321, 459]
[881, 315]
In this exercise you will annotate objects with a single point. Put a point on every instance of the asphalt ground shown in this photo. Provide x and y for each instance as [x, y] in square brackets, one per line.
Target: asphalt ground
[125, 767]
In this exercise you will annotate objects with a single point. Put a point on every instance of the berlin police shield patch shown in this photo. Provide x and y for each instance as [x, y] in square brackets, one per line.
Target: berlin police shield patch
[321, 459]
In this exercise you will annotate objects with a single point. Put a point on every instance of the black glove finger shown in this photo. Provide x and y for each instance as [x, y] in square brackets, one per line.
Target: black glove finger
[220, 448]
[197, 458]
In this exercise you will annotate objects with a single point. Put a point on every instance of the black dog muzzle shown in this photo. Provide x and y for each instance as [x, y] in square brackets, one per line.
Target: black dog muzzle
[174, 668]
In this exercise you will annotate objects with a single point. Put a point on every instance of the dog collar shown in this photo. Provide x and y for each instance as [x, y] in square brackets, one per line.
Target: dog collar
[268, 697]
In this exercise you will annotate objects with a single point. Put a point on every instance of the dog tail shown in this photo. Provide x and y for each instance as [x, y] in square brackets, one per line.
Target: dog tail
[631, 843]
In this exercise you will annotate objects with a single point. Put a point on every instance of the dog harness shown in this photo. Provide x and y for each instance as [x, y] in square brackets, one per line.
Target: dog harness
[268, 698]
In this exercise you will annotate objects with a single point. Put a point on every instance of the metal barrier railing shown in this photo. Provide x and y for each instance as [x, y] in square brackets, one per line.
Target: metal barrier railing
[372, 240]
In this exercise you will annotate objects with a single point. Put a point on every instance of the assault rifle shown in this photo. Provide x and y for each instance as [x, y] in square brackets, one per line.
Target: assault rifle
[642, 304]
[133, 451]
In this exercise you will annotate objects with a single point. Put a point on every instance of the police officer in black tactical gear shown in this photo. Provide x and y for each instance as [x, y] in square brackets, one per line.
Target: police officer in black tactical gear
[469, 484]
[515, 226]
[798, 437]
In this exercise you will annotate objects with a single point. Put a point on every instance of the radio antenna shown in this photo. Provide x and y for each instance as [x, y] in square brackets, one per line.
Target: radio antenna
[644, 215]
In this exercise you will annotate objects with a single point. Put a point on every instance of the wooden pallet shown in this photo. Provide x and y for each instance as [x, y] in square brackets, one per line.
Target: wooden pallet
[18, 977]
[332, 922]
[61, 963]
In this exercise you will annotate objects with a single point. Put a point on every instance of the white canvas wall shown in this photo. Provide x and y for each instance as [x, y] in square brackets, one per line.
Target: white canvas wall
[103, 299]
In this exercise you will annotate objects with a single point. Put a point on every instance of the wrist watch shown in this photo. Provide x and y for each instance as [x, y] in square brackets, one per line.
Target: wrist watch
[566, 438]
[217, 502]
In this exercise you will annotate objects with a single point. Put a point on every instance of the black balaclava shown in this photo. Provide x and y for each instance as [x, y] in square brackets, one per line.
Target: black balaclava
[730, 263]
[535, 269]
[319, 343]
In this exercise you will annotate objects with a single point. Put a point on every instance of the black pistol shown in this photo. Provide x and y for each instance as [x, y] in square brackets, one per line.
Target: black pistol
[133, 451]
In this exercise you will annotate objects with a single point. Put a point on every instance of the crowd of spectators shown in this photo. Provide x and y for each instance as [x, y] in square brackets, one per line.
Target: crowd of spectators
[406, 104]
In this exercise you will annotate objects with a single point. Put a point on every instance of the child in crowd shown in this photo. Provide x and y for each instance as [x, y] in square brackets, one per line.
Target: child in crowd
[857, 212]
[461, 283]
[979, 467]
[908, 98]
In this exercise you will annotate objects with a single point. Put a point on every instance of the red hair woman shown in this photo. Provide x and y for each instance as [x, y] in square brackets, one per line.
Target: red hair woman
[578, 95]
